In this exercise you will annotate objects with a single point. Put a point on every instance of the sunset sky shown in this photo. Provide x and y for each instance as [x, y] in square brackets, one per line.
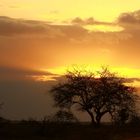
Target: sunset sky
[41, 38]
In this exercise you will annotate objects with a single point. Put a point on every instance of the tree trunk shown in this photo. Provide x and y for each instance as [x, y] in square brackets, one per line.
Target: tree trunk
[92, 117]
[98, 120]
[99, 115]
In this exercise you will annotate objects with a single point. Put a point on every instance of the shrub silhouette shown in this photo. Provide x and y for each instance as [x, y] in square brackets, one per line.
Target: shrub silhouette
[135, 120]
[63, 116]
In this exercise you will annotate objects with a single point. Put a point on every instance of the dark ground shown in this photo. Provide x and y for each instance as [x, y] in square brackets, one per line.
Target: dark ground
[55, 131]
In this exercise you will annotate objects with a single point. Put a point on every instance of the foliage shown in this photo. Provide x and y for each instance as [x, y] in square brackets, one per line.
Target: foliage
[63, 116]
[135, 120]
[95, 93]
[121, 117]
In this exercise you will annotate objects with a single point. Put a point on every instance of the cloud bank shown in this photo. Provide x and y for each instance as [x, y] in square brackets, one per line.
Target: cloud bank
[27, 46]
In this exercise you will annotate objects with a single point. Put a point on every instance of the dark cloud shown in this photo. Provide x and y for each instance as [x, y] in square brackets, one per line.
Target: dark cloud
[25, 98]
[80, 21]
[130, 21]
[89, 21]
[11, 26]
[71, 31]
[130, 18]
[12, 73]
[28, 99]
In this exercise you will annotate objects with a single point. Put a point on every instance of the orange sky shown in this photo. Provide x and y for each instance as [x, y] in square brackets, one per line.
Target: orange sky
[63, 33]
[42, 38]
[53, 35]
[37, 45]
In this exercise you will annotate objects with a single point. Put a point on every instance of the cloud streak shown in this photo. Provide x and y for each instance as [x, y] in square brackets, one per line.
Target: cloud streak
[9, 26]
[89, 21]
[12, 73]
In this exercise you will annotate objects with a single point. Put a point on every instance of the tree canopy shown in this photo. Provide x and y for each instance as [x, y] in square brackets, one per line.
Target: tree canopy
[95, 93]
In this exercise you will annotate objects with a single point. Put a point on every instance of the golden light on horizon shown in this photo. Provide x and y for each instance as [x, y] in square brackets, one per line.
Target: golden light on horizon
[126, 72]
[44, 78]
[104, 28]
[120, 71]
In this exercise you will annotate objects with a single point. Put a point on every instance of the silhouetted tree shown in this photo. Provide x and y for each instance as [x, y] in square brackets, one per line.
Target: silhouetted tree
[96, 93]
[64, 116]
[113, 96]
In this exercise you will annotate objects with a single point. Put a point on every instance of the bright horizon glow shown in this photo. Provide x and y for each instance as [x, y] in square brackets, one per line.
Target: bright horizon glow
[120, 71]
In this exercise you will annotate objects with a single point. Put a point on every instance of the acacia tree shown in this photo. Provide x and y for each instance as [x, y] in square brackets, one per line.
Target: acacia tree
[95, 93]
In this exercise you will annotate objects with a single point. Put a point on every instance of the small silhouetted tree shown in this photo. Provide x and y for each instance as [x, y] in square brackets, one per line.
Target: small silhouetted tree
[64, 116]
[95, 93]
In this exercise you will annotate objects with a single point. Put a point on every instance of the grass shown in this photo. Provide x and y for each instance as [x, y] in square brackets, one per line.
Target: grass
[57, 131]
